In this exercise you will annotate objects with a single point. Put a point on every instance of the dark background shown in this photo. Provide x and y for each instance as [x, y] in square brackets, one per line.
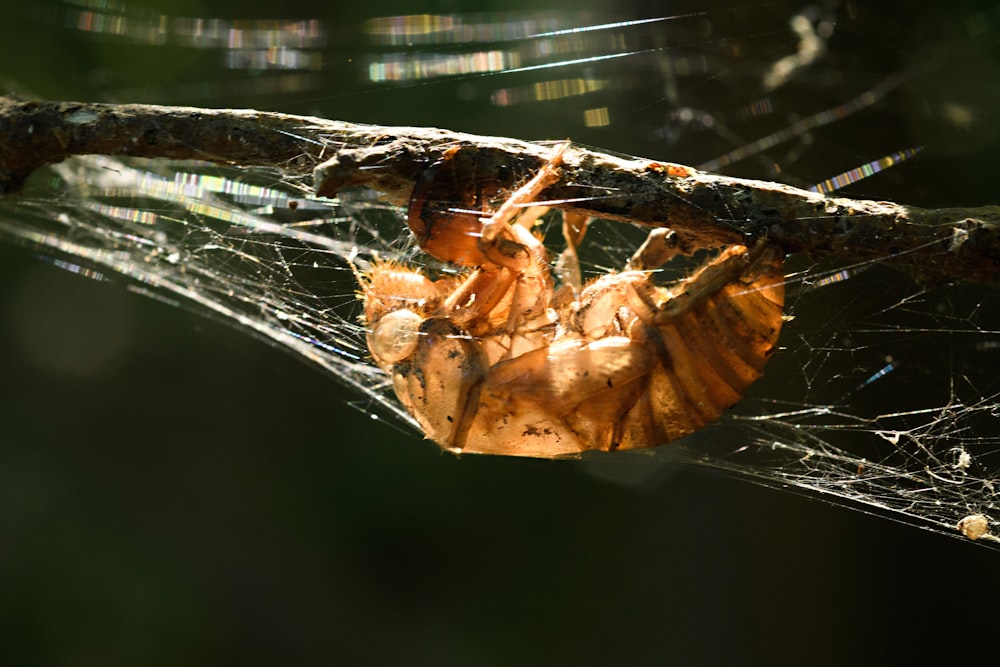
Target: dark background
[173, 491]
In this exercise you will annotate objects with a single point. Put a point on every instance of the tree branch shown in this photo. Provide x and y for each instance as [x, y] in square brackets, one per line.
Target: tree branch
[706, 210]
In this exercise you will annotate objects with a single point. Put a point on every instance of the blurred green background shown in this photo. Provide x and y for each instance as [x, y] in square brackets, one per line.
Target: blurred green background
[173, 491]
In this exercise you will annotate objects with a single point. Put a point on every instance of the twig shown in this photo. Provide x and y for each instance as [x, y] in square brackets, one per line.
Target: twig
[705, 210]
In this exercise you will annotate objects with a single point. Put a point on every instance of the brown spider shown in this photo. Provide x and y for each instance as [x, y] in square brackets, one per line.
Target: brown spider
[497, 361]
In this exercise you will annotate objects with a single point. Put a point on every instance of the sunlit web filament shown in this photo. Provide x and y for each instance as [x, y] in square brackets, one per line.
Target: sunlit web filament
[837, 276]
[881, 373]
[616, 24]
[578, 61]
[864, 171]
[839, 112]
[874, 377]
[132, 215]
[83, 271]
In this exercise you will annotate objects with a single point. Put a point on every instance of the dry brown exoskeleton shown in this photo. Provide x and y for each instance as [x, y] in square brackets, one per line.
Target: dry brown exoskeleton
[497, 361]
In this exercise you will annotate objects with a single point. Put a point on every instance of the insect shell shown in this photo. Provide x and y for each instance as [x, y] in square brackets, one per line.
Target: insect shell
[496, 361]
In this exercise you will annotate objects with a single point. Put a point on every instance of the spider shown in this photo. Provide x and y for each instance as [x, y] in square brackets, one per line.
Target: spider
[499, 361]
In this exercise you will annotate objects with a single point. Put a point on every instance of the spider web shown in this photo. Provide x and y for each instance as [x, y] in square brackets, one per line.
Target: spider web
[881, 396]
